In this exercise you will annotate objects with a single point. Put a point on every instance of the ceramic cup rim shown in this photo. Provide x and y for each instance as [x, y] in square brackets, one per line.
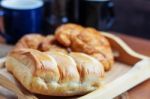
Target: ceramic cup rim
[21, 4]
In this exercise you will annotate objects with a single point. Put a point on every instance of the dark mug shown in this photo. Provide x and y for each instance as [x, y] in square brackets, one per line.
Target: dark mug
[98, 14]
[21, 17]
[57, 12]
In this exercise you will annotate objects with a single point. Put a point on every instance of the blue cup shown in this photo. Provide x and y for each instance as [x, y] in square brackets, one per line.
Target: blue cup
[21, 17]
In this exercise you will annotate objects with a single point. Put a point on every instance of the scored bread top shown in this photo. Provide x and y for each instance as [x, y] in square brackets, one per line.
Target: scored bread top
[55, 73]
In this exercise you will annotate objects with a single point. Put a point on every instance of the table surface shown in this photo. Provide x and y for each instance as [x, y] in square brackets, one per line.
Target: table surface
[141, 46]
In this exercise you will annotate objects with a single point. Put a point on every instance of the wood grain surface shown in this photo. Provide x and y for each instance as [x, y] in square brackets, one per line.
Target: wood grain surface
[141, 46]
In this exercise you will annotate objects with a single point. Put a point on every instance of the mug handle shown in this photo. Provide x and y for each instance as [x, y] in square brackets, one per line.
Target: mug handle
[2, 33]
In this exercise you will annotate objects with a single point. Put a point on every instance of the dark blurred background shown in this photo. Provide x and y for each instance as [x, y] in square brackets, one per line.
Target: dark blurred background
[130, 17]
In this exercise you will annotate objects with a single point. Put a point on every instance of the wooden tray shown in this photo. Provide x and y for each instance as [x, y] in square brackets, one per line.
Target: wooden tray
[129, 70]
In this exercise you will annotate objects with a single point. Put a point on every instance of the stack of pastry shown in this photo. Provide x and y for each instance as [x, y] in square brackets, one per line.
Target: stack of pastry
[71, 62]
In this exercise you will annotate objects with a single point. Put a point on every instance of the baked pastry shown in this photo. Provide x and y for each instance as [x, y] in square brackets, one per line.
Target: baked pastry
[29, 41]
[55, 73]
[39, 42]
[49, 43]
[64, 32]
[88, 67]
[72, 37]
[86, 40]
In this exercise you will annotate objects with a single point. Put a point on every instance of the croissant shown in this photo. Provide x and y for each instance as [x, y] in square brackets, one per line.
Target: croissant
[55, 73]
[63, 33]
[50, 44]
[29, 41]
[86, 40]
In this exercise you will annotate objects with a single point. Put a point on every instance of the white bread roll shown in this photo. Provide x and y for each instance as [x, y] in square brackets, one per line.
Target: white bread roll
[55, 73]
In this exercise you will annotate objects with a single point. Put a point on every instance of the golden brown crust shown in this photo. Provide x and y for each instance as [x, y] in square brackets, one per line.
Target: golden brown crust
[87, 66]
[76, 37]
[32, 57]
[30, 41]
[55, 73]
[86, 40]
[64, 32]
[39, 42]
[67, 67]
[50, 44]
[44, 65]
